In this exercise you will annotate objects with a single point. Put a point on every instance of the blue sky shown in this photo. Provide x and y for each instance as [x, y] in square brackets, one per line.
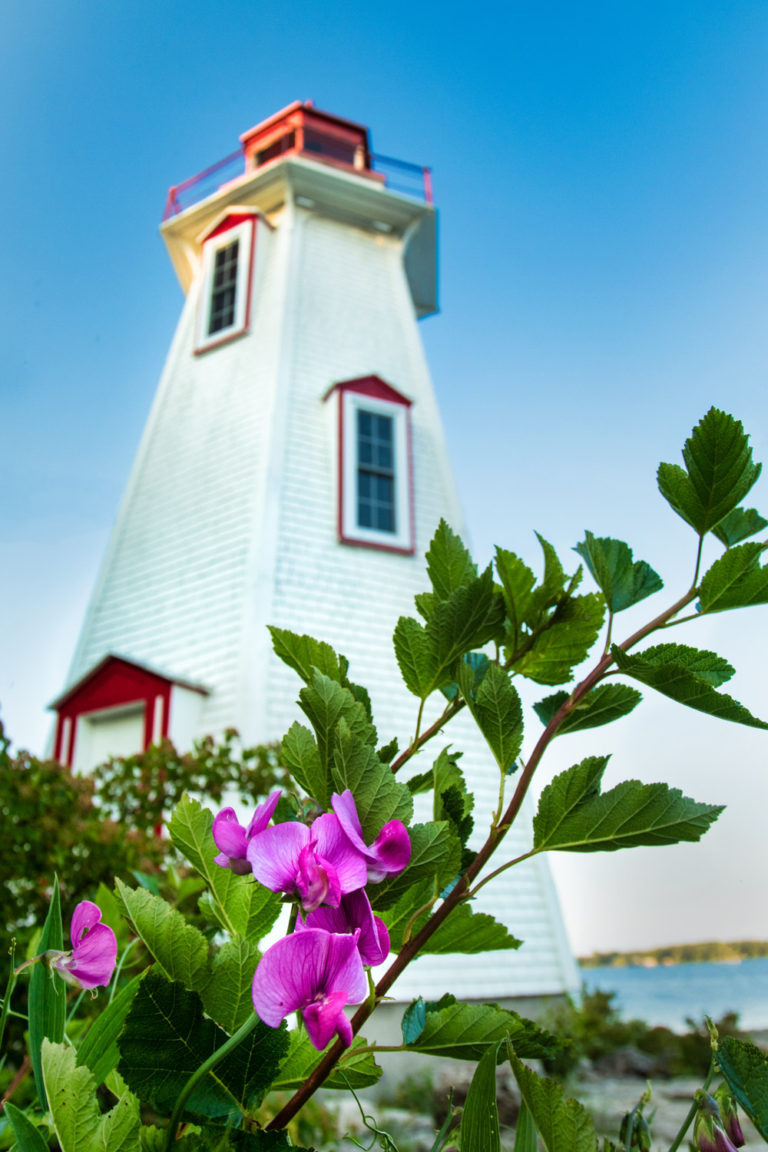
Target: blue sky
[602, 177]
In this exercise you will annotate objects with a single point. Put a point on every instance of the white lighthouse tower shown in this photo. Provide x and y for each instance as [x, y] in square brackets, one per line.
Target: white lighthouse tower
[292, 472]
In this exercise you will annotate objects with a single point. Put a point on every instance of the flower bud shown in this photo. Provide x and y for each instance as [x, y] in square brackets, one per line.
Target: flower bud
[708, 1132]
[729, 1115]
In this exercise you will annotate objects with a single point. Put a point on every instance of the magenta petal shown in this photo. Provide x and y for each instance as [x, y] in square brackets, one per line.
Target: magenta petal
[274, 855]
[345, 808]
[263, 814]
[324, 1018]
[85, 916]
[229, 835]
[94, 958]
[333, 845]
[390, 851]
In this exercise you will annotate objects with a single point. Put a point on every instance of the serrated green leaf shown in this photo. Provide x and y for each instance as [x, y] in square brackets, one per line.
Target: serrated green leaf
[300, 755]
[325, 703]
[304, 654]
[718, 472]
[449, 564]
[179, 948]
[227, 995]
[601, 705]
[28, 1137]
[467, 619]
[739, 525]
[415, 658]
[517, 582]
[47, 995]
[568, 637]
[564, 1125]
[98, 1050]
[240, 904]
[379, 796]
[745, 1068]
[435, 854]
[707, 666]
[464, 931]
[497, 710]
[622, 580]
[736, 580]
[166, 1038]
[552, 588]
[449, 778]
[679, 682]
[480, 1117]
[357, 1068]
[574, 816]
[422, 782]
[465, 1031]
[77, 1118]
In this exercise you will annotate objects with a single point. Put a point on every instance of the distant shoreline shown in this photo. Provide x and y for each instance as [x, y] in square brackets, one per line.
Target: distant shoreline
[712, 952]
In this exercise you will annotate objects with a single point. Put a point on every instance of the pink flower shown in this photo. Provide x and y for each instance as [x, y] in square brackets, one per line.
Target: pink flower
[316, 973]
[390, 851]
[354, 915]
[318, 864]
[92, 960]
[232, 839]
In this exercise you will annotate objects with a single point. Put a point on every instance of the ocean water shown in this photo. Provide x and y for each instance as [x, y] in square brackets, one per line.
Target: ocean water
[669, 995]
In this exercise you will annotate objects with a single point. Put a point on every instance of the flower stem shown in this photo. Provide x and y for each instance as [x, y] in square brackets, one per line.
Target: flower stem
[214, 1059]
[8, 993]
[692, 1110]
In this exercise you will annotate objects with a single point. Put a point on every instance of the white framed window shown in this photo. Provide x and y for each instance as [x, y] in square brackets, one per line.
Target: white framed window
[375, 482]
[222, 307]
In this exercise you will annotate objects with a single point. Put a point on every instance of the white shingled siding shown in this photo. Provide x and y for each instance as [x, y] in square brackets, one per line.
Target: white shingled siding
[229, 523]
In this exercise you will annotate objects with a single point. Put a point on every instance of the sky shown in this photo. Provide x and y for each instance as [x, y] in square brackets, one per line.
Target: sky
[601, 175]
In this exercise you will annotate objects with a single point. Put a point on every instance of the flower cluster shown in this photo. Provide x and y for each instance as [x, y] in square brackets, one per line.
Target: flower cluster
[319, 968]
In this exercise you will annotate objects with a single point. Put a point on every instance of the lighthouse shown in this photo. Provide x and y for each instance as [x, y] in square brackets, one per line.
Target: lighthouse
[292, 472]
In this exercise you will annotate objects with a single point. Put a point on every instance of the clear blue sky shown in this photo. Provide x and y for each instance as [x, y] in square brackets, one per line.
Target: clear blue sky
[601, 172]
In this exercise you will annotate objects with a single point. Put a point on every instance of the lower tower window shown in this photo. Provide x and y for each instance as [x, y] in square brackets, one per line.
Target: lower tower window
[222, 307]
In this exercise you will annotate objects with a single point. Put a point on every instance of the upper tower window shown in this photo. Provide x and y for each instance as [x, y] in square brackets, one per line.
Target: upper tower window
[375, 477]
[223, 304]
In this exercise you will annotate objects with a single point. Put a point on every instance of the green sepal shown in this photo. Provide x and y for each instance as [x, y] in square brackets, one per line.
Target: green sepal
[739, 525]
[47, 993]
[736, 580]
[622, 580]
[575, 816]
[718, 472]
[677, 672]
[601, 705]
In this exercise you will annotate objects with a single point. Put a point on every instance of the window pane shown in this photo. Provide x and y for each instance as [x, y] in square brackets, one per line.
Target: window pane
[375, 471]
[222, 309]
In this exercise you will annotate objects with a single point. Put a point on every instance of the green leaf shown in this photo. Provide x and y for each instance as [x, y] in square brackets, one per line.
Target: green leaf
[525, 1131]
[449, 564]
[622, 580]
[166, 1038]
[671, 670]
[552, 588]
[464, 931]
[465, 1031]
[77, 1118]
[565, 642]
[98, 1051]
[435, 855]
[574, 816]
[745, 1068]
[227, 996]
[28, 1137]
[468, 619]
[357, 1068]
[497, 710]
[47, 994]
[517, 582]
[379, 796]
[325, 703]
[240, 905]
[452, 801]
[601, 705]
[718, 472]
[417, 661]
[300, 755]
[480, 1118]
[305, 654]
[423, 782]
[736, 580]
[564, 1125]
[179, 948]
[739, 525]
